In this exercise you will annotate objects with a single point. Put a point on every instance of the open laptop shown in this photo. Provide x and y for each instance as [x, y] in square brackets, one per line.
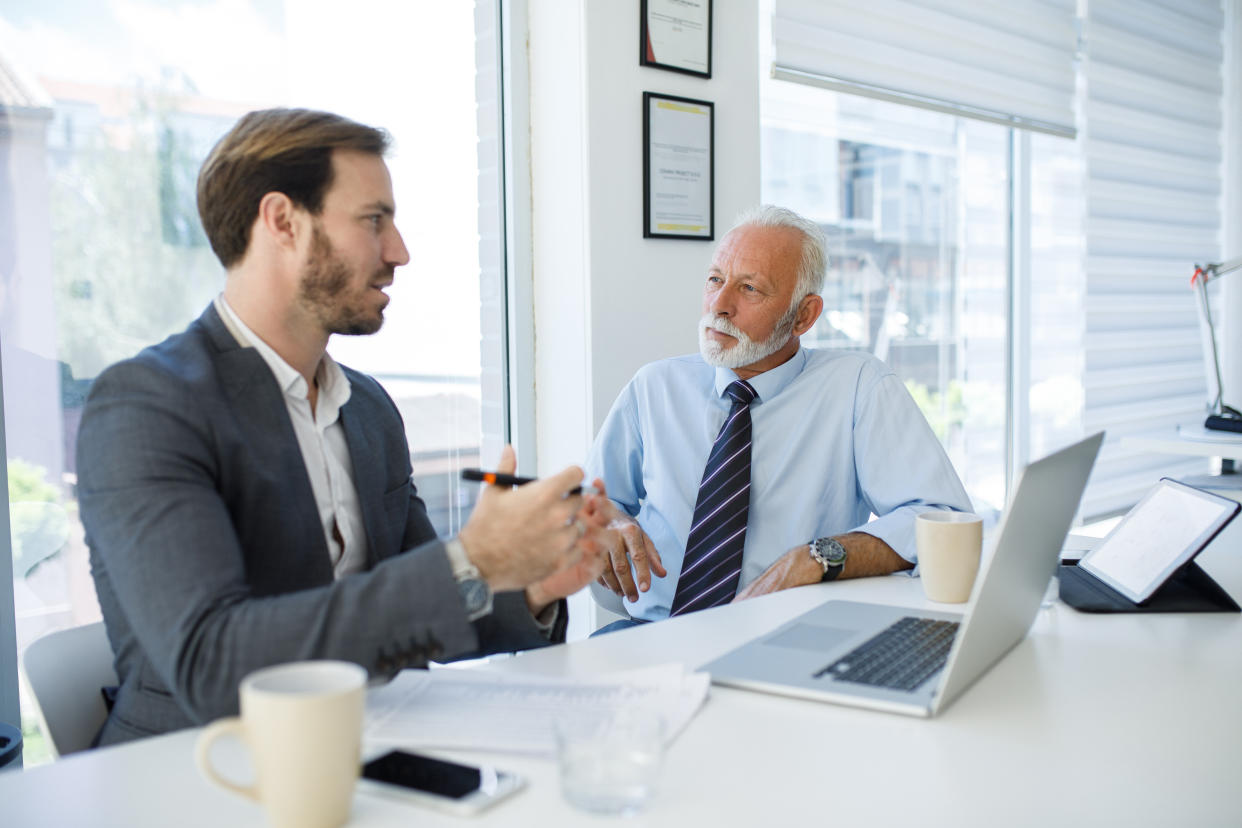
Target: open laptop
[916, 661]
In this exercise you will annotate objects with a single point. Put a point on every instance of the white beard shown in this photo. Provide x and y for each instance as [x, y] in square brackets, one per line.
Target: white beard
[747, 351]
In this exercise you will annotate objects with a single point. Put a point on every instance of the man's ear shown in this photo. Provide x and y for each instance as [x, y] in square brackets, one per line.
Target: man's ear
[279, 220]
[809, 309]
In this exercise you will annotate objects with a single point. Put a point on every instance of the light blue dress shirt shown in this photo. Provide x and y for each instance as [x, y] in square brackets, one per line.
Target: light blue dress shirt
[836, 438]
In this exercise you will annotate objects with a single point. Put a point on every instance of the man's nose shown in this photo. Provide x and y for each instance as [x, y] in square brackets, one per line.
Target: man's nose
[720, 303]
[395, 252]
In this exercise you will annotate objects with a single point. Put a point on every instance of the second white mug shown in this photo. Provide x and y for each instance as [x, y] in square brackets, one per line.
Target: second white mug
[949, 546]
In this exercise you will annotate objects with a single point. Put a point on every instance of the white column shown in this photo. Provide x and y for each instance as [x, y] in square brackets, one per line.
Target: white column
[560, 232]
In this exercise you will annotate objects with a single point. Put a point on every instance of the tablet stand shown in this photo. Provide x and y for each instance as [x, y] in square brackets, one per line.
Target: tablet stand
[1189, 589]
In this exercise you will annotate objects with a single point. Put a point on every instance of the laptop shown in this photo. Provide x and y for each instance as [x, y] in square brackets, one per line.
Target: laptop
[916, 661]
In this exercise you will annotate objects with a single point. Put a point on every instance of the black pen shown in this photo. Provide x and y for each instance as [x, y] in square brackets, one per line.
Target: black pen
[502, 479]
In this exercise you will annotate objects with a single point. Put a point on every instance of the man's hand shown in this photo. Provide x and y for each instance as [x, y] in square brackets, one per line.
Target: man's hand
[630, 556]
[865, 555]
[590, 561]
[522, 535]
[795, 568]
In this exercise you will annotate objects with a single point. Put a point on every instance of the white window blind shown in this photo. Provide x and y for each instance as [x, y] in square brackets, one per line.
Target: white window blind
[1153, 158]
[1010, 62]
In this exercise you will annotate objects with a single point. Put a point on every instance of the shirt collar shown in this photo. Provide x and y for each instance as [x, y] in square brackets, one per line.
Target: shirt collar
[771, 382]
[334, 386]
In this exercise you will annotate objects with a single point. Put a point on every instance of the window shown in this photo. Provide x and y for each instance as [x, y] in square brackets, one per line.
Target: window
[1028, 284]
[914, 206]
[110, 110]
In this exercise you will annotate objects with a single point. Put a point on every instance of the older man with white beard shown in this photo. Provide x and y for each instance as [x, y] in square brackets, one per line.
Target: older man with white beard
[758, 465]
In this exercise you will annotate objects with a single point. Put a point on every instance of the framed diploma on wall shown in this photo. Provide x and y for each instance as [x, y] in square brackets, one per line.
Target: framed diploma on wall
[677, 35]
[678, 168]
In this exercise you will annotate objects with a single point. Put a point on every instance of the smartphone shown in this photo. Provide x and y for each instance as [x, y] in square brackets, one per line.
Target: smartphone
[447, 786]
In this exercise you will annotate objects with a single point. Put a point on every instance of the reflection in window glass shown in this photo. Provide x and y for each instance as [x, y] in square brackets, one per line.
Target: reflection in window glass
[106, 112]
[914, 207]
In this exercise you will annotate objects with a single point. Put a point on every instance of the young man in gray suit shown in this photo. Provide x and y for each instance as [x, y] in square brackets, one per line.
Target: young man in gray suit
[247, 500]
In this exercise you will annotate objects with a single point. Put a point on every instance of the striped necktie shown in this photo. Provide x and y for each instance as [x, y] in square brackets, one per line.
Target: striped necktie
[713, 560]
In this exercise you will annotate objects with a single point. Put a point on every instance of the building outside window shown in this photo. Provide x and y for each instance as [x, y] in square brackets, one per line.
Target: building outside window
[915, 207]
[1015, 195]
[106, 113]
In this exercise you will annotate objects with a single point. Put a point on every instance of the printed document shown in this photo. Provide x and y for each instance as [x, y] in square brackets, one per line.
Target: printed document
[513, 712]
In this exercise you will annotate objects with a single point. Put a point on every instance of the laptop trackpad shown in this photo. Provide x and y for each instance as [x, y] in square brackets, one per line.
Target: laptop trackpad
[811, 637]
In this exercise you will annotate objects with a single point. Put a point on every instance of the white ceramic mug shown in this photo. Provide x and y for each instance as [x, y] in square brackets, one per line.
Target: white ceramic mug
[302, 723]
[949, 545]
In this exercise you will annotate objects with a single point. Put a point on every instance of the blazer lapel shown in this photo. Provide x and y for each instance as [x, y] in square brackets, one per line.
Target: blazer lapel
[262, 416]
[364, 455]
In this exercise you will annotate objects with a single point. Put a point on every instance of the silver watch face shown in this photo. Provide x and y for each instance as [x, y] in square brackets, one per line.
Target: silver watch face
[828, 552]
[475, 594]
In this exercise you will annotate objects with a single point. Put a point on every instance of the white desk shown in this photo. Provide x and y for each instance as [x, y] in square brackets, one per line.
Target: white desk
[1092, 720]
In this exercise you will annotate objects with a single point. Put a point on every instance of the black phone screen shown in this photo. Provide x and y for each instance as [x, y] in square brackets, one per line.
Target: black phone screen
[423, 773]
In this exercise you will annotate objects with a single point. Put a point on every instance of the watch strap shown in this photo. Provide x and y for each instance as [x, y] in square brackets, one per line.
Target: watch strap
[458, 560]
[476, 595]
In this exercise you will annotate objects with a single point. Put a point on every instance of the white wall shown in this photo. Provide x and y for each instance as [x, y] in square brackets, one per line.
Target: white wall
[606, 299]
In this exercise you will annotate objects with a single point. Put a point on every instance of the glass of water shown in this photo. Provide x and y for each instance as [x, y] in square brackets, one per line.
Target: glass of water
[1052, 593]
[610, 764]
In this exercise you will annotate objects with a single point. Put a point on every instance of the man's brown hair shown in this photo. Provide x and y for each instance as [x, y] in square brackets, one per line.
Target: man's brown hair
[273, 150]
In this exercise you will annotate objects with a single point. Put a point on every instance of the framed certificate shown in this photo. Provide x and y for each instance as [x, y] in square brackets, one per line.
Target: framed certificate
[677, 35]
[678, 168]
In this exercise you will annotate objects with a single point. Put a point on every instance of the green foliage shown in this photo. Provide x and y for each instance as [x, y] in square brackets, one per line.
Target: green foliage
[38, 522]
[27, 483]
[129, 265]
[35, 748]
[943, 411]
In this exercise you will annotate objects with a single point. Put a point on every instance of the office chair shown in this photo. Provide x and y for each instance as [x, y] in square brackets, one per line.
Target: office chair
[610, 605]
[65, 671]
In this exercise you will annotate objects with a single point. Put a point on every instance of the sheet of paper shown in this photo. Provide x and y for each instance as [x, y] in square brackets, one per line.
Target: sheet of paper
[510, 712]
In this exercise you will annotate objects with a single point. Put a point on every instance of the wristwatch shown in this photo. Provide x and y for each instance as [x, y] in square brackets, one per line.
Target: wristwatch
[829, 554]
[476, 595]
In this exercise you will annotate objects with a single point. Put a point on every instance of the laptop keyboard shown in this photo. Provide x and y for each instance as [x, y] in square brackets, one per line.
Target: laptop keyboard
[900, 657]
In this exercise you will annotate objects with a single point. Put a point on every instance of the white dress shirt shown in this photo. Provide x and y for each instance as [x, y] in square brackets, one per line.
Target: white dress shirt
[322, 441]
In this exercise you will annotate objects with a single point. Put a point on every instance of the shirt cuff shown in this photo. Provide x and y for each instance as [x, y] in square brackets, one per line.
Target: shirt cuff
[546, 620]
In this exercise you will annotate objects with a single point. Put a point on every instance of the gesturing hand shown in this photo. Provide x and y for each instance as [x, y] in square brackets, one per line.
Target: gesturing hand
[591, 557]
[517, 536]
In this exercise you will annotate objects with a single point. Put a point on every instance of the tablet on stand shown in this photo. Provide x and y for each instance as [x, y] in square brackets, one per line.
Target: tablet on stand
[1146, 564]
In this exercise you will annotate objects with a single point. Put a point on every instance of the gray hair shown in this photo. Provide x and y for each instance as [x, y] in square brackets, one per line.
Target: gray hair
[814, 260]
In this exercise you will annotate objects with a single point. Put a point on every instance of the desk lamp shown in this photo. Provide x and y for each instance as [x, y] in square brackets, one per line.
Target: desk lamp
[1221, 417]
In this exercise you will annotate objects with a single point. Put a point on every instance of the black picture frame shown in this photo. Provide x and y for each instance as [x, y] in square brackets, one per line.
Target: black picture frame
[646, 55]
[650, 99]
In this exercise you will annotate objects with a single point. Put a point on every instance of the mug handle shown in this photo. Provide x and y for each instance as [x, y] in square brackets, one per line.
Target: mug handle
[202, 751]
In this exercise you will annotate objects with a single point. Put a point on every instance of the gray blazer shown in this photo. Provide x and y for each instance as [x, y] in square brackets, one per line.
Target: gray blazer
[206, 548]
